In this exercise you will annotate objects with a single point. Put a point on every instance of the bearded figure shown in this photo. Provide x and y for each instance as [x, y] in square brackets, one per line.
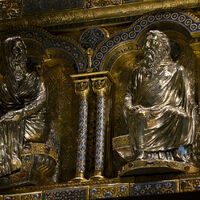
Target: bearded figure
[158, 107]
[22, 106]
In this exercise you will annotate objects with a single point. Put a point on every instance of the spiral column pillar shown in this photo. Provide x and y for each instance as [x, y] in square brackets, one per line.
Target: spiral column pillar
[101, 87]
[82, 90]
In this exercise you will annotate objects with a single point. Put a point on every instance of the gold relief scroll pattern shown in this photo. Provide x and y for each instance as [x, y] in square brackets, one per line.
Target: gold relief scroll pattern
[109, 191]
[59, 83]
[120, 142]
[10, 9]
[102, 3]
[25, 196]
[189, 185]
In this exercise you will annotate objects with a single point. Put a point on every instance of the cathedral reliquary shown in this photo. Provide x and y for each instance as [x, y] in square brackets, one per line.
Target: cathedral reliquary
[98, 104]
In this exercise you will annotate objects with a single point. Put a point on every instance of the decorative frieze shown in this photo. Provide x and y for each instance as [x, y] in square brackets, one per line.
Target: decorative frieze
[67, 193]
[189, 185]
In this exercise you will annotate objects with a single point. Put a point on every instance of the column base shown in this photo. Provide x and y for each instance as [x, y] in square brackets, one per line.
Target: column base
[79, 178]
[97, 176]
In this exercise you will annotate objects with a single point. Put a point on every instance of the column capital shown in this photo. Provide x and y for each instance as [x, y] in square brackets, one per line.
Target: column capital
[101, 86]
[82, 87]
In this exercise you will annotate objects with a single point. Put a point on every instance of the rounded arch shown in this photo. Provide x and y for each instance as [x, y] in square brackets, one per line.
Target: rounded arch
[188, 23]
[70, 48]
[164, 27]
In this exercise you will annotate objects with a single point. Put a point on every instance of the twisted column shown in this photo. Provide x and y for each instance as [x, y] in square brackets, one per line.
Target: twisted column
[100, 86]
[82, 90]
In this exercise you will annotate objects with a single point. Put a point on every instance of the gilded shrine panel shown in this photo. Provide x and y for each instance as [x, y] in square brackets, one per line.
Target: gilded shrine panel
[87, 80]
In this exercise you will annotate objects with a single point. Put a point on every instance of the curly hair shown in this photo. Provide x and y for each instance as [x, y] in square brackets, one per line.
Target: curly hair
[163, 40]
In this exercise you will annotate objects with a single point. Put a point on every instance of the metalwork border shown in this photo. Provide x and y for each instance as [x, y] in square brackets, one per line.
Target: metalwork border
[94, 14]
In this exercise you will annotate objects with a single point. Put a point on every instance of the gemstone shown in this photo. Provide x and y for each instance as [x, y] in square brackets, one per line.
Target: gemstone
[123, 188]
[198, 187]
[108, 194]
[27, 158]
[36, 196]
[47, 148]
[27, 147]
[150, 162]
[187, 168]
[93, 191]
[183, 182]
[22, 174]
[130, 165]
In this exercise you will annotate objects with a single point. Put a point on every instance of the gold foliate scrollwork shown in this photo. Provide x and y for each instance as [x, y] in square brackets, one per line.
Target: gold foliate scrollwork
[121, 141]
[92, 15]
[107, 191]
[101, 85]
[40, 148]
[10, 9]
[25, 196]
[189, 185]
[82, 87]
[101, 3]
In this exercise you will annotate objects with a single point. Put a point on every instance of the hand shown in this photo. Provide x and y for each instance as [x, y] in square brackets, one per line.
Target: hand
[139, 110]
[11, 116]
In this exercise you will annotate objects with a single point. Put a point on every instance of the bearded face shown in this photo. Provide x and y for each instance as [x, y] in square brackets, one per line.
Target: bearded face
[19, 60]
[152, 51]
[19, 52]
[156, 49]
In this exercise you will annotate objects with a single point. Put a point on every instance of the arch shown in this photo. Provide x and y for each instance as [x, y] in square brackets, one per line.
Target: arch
[48, 42]
[190, 23]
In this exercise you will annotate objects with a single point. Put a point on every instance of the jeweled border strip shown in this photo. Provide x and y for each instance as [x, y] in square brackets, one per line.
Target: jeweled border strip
[111, 190]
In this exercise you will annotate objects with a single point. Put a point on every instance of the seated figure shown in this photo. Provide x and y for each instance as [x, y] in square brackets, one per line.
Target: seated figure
[159, 106]
[22, 107]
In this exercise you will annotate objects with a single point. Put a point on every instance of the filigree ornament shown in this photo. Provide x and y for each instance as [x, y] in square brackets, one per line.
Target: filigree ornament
[10, 9]
[92, 37]
[101, 3]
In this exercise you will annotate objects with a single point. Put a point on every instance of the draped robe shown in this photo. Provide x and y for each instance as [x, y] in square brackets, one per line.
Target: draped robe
[26, 97]
[166, 119]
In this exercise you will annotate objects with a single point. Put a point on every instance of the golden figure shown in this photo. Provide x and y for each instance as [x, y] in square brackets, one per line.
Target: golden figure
[159, 107]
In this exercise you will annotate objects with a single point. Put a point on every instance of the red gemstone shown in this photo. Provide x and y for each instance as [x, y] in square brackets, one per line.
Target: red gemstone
[22, 174]
[130, 165]
[187, 168]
